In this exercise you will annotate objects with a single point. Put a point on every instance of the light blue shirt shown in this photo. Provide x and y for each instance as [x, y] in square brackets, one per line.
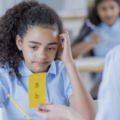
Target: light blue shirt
[109, 92]
[58, 90]
[110, 35]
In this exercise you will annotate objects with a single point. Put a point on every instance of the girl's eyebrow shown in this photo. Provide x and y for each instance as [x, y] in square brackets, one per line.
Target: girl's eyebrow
[52, 43]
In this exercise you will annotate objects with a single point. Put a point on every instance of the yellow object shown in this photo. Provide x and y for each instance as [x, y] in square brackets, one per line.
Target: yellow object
[37, 89]
[18, 106]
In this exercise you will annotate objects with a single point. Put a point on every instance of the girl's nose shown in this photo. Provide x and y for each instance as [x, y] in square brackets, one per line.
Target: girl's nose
[109, 12]
[41, 54]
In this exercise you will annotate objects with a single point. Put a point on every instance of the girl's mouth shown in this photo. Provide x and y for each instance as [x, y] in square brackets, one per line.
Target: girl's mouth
[40, 63]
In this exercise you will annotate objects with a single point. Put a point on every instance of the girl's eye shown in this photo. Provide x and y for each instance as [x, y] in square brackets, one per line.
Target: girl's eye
[103, 8]
[33, 47]
[112, 7]
[51, 49]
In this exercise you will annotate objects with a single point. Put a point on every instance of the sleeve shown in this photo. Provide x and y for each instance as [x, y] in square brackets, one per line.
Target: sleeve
[68, 86]
[69, 91]
[109, 92]
[87, 38]
[3, 90]
[3, 93]
[66, 83]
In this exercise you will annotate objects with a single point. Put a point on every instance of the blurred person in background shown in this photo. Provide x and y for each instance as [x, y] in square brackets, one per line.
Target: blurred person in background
[98, 42]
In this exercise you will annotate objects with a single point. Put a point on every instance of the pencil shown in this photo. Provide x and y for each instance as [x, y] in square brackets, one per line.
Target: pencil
[18, 106]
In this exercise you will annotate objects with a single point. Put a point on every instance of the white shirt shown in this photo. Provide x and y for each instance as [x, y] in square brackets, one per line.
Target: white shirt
[109, 92]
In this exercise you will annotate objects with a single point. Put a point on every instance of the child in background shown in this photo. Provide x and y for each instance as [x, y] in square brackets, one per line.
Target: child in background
[31, 40]
[105, 16]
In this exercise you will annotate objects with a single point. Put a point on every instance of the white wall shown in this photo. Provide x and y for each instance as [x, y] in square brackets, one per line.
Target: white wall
[6, 4]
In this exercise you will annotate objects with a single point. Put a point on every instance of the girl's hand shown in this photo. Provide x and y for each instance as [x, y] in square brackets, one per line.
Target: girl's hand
[65, 48]
[52, 112]
[57, 112]
[95, 39]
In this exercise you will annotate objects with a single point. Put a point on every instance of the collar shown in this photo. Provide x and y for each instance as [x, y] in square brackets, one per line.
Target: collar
[24, 71]
[115, 26]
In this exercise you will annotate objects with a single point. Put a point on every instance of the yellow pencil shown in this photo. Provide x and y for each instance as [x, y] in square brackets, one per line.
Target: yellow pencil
[18, 106]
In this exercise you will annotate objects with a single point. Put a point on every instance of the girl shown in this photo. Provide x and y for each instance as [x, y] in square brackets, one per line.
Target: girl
[105, 16]
[31, 40]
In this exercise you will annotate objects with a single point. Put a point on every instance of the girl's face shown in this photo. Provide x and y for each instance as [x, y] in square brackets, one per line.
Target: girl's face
[39, 47]
[108, 11]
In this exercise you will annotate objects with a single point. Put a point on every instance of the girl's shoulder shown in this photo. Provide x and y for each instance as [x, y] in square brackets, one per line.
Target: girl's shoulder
[60, 67]
[59, 63]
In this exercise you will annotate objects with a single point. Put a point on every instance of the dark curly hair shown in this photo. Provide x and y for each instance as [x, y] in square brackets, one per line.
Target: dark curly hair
[16, 21]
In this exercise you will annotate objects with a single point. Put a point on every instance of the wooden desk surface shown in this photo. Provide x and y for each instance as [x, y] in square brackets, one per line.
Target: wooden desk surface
[90, 64]
[91, 69]
[73, 18]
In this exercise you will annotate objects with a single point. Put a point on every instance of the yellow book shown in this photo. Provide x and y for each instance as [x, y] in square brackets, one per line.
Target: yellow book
[37, 89]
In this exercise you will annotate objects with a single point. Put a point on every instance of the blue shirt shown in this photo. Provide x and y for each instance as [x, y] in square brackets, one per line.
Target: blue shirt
[110, 35]
[109, 92]
[58, 90]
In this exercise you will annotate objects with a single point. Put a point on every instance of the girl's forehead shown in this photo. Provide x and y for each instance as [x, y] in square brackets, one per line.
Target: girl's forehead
[42, 34]
[107, 2]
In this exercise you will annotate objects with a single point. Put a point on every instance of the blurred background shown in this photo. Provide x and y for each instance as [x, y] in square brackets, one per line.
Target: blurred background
[72, 12]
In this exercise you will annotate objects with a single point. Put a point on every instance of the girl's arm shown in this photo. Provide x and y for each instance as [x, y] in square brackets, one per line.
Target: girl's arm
[83, 47]
[57, 112]
[81, 100]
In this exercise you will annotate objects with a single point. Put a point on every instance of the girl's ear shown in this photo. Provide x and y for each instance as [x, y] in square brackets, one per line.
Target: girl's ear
[19, 42]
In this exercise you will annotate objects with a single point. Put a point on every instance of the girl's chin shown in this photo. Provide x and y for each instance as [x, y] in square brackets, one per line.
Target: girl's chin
[41, 70]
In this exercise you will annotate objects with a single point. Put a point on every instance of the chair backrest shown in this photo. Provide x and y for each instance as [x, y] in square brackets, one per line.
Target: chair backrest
[2, 114]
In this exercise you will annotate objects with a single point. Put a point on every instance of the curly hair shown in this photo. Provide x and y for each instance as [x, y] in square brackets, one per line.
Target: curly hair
[16, 21]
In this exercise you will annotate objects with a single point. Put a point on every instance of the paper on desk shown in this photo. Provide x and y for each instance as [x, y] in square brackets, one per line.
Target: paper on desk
[37, 89]
[89, 62]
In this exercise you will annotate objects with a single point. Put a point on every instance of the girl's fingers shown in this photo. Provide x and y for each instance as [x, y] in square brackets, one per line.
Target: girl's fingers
[64, 39]
[37, 110]
[64, 33]
[41, 114]
[45, 107]
[50, 103]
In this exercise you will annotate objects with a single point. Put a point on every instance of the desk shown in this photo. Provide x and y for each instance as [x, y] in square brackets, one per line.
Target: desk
[90, 64]
[73, 17]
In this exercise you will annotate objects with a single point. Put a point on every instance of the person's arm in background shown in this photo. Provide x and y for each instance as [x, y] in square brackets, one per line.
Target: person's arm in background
[109, 92]
[83, 47]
